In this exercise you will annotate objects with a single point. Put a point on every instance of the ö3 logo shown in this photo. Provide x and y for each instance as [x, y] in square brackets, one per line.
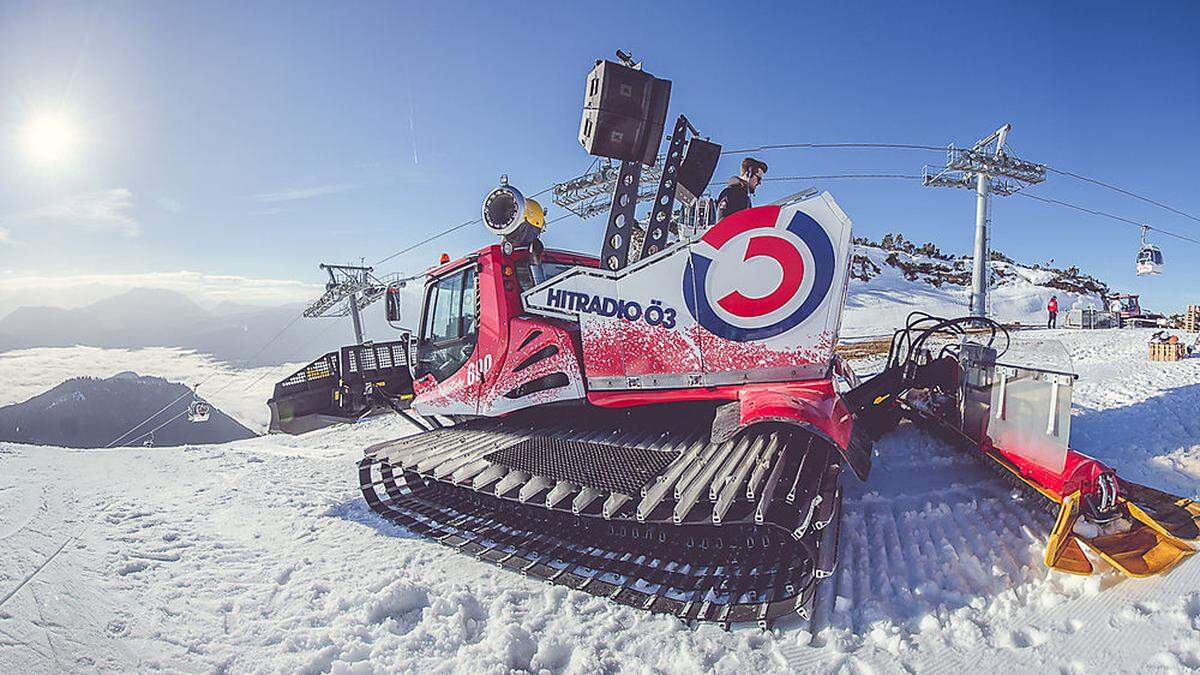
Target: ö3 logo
[720, 265]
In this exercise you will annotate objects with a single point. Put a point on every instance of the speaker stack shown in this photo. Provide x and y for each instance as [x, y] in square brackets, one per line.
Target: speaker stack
[624, 113]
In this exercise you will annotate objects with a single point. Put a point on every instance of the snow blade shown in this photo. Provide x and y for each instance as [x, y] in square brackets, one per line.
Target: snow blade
[1062, 551]
[1169, 514]
[1142, 551]
[634, 505]
[1145, 548]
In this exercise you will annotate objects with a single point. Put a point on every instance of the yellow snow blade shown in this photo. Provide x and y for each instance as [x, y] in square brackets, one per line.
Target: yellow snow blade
[1143, 551]
[1062, 551]
[1170, 514]
[1140, 515]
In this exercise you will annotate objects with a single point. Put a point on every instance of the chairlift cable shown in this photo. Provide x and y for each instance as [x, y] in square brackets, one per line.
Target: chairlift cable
[915, 146]
[844, 175]
[151, 432]
[447, 231]
[266, 371]
[838, 146]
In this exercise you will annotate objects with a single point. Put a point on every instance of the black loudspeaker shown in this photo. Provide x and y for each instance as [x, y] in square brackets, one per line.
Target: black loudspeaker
[697, 169]
[608, 134]
[619, 89]
[657, 120]
[624, 111]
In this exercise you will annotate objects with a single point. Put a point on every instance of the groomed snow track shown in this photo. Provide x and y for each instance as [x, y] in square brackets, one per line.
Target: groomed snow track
[634, 505]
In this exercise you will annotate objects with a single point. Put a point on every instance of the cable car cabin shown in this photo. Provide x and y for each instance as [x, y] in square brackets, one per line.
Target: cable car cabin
[198, 411]
[1149, 260]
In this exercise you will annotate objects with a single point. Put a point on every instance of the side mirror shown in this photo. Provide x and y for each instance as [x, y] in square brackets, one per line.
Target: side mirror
[393, 303]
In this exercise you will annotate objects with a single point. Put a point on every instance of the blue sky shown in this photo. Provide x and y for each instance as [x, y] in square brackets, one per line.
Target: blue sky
[246, 142]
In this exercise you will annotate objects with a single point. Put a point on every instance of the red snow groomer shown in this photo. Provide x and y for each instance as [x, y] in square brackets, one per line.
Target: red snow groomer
[658, 425]
[668, 435]
[667, 427]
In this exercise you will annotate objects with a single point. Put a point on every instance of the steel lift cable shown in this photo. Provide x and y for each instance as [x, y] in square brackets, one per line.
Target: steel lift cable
[272, 371]
[836, 146]
[839, 176]
[256, 354]
[915, 146]
[1123, 191]
[1047, 200]
[1105, 214]
[450, 230]
[841, 146]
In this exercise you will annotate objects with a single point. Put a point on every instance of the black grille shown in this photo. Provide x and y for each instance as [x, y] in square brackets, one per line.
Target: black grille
[321, 369]
[541, 354]
[551, 381]
[606, 467]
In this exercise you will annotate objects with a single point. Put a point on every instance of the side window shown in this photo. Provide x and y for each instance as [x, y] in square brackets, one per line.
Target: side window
[451, 322]
[524, 270]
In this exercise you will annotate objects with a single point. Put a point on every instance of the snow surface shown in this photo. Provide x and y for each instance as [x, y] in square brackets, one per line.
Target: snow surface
[260, 556]
[883, 303]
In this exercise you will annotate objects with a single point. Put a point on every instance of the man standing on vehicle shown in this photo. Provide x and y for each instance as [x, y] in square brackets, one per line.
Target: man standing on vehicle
[1052, 309]
[736, 196]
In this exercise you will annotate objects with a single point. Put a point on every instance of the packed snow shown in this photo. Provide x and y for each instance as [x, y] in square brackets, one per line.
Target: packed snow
[260, 556]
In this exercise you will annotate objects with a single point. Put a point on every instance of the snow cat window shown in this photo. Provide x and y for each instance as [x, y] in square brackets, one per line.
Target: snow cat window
[449, 326]
[550, 269]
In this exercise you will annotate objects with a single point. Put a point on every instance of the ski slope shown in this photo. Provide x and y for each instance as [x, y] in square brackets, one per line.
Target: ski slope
[259, 556]
[1018, 293]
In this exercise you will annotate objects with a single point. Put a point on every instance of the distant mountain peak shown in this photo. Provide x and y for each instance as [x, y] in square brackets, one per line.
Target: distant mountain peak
[88, 412]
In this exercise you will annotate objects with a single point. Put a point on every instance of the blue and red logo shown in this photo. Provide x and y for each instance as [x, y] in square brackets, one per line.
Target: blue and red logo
[754, 275]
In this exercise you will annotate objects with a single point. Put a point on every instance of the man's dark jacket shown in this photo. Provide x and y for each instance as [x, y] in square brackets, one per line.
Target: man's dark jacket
[733, 198]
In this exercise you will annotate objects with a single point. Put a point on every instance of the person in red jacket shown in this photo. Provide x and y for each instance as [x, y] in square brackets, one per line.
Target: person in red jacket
[1052, 309]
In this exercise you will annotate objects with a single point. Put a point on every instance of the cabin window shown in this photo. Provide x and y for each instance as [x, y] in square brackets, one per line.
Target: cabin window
[450, 324]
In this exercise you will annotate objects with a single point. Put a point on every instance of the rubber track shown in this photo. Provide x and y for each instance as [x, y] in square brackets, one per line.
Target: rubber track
[737, 572]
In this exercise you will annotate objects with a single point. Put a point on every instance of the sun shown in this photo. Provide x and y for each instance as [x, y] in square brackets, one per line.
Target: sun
[50, 138]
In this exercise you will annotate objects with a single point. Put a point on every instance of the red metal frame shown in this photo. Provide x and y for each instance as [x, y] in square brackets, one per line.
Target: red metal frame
[489, 372]
[1079, 474]
[812, 404]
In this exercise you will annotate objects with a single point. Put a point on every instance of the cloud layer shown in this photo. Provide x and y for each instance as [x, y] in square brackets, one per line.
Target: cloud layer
[81, 289]
[240, 393]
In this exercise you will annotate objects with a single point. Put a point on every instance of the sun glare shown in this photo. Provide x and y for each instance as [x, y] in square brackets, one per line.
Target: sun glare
[50, 139]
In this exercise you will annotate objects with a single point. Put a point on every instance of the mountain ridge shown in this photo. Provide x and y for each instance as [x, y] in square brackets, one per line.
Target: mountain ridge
[89, 412]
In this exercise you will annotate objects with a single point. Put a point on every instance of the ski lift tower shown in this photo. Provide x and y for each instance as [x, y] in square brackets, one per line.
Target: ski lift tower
[350, 288]
[987, 168]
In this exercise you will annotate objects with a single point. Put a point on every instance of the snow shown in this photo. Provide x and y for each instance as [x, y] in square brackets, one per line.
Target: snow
[260, 556]
[883, 303]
